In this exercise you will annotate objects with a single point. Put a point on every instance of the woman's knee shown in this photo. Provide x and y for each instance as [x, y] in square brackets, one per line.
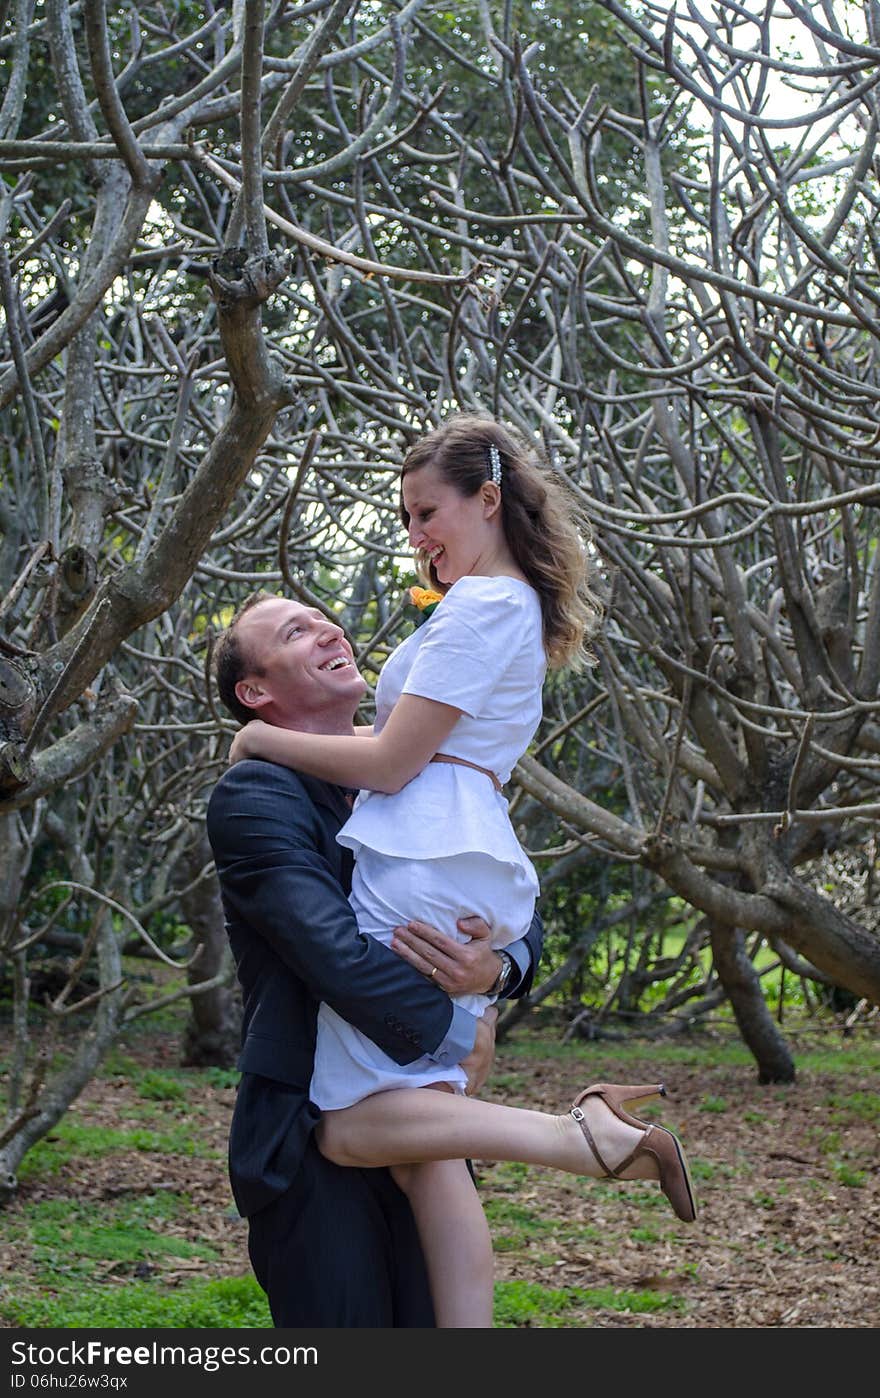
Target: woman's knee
[334, 1140]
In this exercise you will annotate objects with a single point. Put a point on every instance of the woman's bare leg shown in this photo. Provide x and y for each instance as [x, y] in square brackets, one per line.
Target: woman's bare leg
[408, 1125]
[455, 1240]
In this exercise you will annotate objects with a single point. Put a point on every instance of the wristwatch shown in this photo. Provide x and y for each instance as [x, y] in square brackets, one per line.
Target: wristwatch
[504, 975]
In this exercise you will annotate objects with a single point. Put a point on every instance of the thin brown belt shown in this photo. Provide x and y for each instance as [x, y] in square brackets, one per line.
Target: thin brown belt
[463, 762]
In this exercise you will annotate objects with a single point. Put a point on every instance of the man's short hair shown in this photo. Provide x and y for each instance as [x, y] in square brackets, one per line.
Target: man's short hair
[232, 662]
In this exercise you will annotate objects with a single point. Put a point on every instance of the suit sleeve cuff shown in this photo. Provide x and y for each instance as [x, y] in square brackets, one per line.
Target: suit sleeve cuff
[522, 959]
[460, 1038]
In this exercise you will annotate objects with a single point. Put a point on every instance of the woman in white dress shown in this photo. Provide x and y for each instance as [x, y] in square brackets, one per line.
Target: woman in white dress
[456, 706]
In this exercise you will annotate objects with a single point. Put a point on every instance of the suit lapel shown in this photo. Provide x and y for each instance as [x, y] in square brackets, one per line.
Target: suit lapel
[332, 802]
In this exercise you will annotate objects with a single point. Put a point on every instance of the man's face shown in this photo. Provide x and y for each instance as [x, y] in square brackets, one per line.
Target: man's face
[309, 678]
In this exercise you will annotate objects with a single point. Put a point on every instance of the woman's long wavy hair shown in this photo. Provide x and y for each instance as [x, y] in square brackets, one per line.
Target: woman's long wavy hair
[547, 534]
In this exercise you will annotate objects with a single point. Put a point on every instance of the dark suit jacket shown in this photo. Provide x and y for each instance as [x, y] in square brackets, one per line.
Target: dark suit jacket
[284, 882]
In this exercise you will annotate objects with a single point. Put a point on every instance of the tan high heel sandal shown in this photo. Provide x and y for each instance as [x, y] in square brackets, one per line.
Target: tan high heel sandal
[663, 1145]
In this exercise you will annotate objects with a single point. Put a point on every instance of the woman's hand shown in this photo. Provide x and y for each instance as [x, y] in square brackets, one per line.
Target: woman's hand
[248, 741]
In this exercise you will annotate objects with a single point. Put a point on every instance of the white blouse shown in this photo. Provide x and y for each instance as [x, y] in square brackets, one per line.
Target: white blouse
[482, 652]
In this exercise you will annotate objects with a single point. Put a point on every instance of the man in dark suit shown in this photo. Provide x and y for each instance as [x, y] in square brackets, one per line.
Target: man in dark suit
[330, 1246]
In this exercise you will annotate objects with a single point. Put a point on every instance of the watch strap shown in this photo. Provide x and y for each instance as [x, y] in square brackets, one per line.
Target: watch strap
[504, 974]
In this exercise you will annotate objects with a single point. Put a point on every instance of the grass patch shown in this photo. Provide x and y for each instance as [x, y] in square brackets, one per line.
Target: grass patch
[763, 1200]
[854, 1106]
[221, 1077]
[514, 1226]
[504, 1213]
[531, 1304]
[828, 1142]
[55, 1242]
[849, 1058]
[645, 1235]
[230, 1304]
[69, 1239]
[714, 1104]
[692, 1054]
[508, 1084]
[119, 1064]
[163, 1206]
[72, 1139]
[849, 1176]
[160, 1087]
[704, 1169]
[720, 1046]
[508, 1176]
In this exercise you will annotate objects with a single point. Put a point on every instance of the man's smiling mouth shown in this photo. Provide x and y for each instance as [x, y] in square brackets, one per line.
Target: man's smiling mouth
[337, 663]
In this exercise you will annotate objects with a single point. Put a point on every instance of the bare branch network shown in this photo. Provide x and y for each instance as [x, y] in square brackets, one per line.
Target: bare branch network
[249, 255]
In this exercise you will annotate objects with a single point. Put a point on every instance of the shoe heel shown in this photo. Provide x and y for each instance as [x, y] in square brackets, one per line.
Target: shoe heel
[615, 1095]
[619, 1095]
[675, 1177]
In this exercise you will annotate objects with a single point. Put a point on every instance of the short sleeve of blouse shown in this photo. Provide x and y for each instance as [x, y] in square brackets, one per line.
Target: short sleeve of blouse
[471, 639]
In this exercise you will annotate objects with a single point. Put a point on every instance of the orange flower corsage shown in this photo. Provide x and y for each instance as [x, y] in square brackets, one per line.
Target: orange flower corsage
[424, 599]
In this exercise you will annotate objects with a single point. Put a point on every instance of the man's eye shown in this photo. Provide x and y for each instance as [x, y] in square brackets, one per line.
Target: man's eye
[294, 631]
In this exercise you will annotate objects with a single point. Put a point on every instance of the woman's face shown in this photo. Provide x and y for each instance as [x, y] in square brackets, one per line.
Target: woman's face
[450, 529]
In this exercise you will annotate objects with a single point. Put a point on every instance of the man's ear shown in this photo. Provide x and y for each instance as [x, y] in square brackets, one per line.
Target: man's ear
[252, 695]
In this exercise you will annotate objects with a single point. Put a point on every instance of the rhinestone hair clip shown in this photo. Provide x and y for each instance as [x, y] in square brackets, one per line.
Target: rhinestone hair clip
[494, 465]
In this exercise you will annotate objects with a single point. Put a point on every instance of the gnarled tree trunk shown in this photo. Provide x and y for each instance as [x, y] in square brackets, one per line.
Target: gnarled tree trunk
[737, 973]
[213, 1031]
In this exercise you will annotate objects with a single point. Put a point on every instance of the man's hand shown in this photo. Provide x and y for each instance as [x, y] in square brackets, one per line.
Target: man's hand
[478, 1063]
[459, 968]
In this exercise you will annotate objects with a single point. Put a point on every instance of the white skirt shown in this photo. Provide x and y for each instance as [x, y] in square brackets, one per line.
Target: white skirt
[388, 892]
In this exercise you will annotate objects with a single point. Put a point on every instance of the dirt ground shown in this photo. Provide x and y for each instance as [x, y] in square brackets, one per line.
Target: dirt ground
[786, 1177]
[779, 1241]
